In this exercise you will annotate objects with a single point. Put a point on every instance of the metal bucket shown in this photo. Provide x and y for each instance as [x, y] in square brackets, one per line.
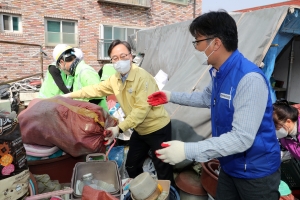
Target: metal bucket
[106, 171]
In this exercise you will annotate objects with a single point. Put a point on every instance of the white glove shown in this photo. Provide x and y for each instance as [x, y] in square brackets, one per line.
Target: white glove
[66, 95]
[173, 154]
[115, 133]
[168, 94]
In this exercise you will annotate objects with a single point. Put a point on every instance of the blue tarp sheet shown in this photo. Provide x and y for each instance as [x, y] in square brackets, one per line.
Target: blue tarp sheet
[289, 28]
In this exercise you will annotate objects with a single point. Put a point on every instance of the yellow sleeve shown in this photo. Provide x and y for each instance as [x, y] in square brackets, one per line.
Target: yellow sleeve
[141, 107]
[97, 90]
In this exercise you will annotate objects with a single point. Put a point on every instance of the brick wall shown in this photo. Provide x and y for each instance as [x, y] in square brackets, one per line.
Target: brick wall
[18, 60]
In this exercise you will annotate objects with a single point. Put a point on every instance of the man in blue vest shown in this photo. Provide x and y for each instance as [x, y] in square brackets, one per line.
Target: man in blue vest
[244, 138]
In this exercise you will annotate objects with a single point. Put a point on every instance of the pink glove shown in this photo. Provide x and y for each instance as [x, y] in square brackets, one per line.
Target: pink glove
[158, 98]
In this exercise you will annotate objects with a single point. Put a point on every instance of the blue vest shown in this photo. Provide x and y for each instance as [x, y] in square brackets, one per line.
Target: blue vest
[263, 157]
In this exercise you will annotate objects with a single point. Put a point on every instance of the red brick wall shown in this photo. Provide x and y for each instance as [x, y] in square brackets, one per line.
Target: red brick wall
[19, 60]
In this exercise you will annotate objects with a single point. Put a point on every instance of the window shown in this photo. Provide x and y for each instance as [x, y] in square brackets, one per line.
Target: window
[10, 23]
[61, 31]
[110, 33]
[183, 2]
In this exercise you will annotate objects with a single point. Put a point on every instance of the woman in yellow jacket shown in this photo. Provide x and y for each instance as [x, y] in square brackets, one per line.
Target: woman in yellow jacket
[152, 126]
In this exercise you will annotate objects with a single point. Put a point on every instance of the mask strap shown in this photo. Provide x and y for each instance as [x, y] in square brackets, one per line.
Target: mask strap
[207, 48]
[73, 66]
[209, 45]
[211, 53]
[286, 128]
[64, 68]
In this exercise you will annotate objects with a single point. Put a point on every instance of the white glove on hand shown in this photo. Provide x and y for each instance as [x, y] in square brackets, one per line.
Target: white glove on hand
[66, 95]
[168, 94]
[115, 132]
[173, 154]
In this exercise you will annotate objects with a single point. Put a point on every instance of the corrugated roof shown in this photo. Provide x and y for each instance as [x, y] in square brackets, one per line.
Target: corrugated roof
[286, 3]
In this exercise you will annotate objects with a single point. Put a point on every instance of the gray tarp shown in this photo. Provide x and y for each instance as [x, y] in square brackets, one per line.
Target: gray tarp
[169, 48]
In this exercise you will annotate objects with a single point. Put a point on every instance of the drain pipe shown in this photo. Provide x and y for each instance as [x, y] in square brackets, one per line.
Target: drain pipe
[42, 53]
[18, 79]
[194, 11]
[288, 84]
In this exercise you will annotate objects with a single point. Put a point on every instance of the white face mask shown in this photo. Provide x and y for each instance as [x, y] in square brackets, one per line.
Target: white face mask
[122, 66]
[201, 55]
[294, 131]
[281, 133]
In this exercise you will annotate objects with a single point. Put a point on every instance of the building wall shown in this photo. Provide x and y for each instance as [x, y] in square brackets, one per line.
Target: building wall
[18, 60]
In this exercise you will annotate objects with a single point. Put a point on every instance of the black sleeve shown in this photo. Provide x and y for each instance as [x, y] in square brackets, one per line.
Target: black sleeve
[100, 72]
[55, 72]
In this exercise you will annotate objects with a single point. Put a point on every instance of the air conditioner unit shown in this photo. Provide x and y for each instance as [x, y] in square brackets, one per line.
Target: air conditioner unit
[183, 2]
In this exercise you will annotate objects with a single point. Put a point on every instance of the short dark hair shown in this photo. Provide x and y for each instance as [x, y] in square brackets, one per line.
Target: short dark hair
[117, 42]
[216, 24]
[283, 111]
[67, 56]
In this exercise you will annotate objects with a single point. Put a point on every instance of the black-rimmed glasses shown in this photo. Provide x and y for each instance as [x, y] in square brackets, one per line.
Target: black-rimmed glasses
[195, 43]
[121, 57]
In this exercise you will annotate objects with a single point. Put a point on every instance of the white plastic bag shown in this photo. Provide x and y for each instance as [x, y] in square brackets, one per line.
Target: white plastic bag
[119, 114]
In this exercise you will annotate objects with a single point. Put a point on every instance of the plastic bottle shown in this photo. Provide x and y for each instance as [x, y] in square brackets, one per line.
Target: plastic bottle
[105, 186]
[87, 179]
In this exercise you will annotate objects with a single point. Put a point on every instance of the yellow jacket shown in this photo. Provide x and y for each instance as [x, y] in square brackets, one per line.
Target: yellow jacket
[132, 97]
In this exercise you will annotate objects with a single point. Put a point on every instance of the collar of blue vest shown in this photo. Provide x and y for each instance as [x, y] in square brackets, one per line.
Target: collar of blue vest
[226, 66]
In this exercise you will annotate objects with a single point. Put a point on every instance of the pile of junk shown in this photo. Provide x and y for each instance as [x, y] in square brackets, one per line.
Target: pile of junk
[18, 93]
[54, 149]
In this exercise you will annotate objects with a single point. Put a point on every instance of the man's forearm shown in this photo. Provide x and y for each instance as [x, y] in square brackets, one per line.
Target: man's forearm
[194, 99]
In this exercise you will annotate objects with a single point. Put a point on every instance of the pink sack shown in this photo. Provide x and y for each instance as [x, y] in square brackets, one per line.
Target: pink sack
[76, 127]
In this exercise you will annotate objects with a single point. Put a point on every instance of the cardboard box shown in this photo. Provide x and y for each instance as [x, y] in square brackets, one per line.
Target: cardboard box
[5, 105]
[28, 96]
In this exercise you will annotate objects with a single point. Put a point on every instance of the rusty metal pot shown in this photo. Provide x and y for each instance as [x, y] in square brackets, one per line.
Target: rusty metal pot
[188, 181]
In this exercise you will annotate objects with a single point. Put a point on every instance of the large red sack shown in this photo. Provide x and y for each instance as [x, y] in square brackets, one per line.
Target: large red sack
[76, 127]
